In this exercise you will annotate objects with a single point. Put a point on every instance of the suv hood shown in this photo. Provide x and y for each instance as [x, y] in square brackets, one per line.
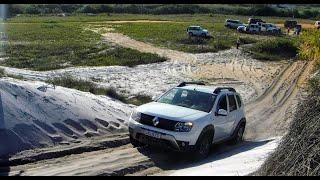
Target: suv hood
[171, 112]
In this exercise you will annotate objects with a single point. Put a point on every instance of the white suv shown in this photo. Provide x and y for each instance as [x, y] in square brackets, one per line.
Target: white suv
[190, 117]
[270, 28]
[253, 28]
[197, 31]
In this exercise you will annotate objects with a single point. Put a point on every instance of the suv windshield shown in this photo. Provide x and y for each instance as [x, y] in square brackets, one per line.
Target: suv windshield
[189, 98]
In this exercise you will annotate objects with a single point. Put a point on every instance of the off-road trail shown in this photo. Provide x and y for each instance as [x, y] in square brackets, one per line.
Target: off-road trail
[126, 41]
[270, 90]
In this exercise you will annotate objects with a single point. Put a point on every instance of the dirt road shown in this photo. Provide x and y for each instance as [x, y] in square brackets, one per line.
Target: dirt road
[275, 86]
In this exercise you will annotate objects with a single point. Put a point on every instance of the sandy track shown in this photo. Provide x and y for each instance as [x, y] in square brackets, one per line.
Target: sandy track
[127, 42]
[274, 86]
[271, 113]
[125, 160]
[116, 161]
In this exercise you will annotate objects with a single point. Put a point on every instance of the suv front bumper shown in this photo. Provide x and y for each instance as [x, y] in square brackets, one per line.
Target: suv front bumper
[141, 133]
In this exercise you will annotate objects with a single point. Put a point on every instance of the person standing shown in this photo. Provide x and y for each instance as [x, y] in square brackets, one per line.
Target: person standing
[238, 43]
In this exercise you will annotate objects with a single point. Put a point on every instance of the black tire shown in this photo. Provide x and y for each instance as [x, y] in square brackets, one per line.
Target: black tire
[203, 147]
[238, 136]
[135, 143]
[190, 34]
[203, 35]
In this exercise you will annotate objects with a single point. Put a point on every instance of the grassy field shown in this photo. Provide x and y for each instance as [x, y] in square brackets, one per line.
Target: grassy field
[173, 36]
[52, 45]
[52, 42]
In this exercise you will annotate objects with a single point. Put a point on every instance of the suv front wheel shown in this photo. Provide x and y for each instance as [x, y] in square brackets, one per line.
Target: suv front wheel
[203, 147]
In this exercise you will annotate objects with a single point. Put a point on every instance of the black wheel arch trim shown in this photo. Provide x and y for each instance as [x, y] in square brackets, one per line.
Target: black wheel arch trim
[207, 129]
[242, 121]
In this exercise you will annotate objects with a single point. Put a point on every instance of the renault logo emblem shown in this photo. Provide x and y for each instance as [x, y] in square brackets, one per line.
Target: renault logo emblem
[155, 121]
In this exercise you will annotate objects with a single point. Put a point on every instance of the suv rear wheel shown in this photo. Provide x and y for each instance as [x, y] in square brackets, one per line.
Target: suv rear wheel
[190, 34]
[238, 137]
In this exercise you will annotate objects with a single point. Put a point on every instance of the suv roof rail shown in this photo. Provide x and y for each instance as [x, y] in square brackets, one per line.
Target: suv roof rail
[219, 89]
[186, 83]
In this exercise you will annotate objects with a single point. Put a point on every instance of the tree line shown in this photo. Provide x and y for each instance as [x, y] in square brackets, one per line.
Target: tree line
[157, 9]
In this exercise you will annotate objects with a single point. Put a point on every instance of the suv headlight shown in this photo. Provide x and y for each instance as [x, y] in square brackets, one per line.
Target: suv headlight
[136, 116]
[183, 126]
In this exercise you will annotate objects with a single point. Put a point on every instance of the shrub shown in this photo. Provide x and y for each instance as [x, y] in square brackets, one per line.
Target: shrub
[66, 80]
[273, 49]
[139, 100]
[309, 48]
[2, 72]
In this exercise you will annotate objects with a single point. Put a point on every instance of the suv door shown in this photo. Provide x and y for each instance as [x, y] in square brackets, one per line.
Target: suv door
[221, 122]
[197, 31]
[233, 116]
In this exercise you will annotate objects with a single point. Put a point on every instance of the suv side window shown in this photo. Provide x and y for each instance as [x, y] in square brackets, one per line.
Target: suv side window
[223, 103]
[239, 101]
[232, 103]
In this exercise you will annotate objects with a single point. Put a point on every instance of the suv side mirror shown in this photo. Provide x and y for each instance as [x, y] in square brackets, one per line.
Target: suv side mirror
[222, 112]
[154, 98]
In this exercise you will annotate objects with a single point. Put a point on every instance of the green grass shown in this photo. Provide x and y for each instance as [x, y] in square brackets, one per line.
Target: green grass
[51, 42]
[173, 36]
[273, 49]
[68, 81]
[309, 50]
[47, 46]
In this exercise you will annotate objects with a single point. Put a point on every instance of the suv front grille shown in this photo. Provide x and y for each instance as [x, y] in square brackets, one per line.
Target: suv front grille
[165, 124]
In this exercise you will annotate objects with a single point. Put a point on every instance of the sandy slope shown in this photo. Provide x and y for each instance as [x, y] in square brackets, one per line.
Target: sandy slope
[38, 117]
[269, 90]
